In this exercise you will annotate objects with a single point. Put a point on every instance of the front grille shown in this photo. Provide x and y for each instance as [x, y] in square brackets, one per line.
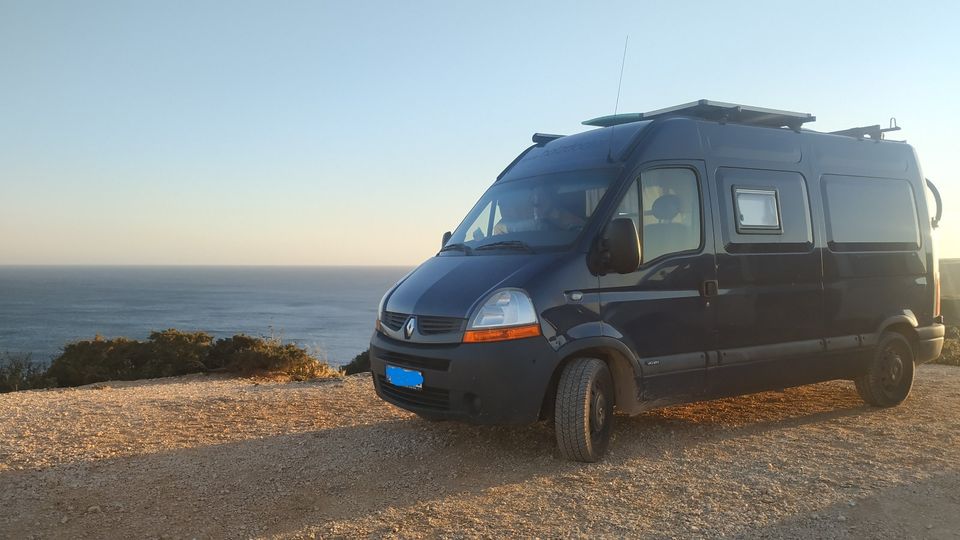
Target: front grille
[394, 321]
[426, 324]
[408, 360]
[425, 398]
[439, 325]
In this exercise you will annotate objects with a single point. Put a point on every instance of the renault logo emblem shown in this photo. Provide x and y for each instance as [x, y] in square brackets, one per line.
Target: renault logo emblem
[410, 327]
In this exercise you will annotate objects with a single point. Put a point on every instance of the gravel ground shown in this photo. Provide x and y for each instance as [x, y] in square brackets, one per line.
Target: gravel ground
[213, 457]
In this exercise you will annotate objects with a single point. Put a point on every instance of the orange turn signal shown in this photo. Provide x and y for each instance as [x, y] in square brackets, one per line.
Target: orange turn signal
[501, 334]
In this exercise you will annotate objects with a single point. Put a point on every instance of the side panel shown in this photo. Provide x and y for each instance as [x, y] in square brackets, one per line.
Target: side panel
[769, 308]
[770, 290]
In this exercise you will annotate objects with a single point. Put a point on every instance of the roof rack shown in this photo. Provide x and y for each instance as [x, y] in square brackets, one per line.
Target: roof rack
[716, 111]
[874, 132]
[543, 138]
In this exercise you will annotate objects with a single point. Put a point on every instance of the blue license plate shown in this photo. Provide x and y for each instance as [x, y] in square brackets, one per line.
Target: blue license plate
[406, 378]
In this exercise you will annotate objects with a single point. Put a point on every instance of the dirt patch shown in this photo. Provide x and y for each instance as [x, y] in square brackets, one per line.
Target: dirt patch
[215, 457]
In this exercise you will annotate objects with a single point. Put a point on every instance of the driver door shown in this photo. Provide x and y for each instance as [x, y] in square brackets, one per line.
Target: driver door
[663, 310]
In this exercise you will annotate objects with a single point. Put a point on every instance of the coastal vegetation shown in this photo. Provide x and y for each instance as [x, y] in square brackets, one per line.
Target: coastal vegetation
[359, 364]
[167, 353]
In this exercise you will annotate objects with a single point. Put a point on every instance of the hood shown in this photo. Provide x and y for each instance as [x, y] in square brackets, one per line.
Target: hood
[448, 286]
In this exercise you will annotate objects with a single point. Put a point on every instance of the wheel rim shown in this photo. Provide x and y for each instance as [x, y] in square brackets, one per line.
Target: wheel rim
[891, 369]
[598, 410]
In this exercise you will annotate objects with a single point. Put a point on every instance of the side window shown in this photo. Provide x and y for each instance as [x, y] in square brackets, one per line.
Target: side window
[757, 210]
[630, 206]
[764, 211]
[870, 214]
[671, 212]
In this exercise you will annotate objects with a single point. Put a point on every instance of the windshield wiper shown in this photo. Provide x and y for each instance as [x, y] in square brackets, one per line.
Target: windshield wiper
[462, 247]
[507, 244]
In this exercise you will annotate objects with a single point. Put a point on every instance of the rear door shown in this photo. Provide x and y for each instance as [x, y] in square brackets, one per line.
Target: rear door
[660, 310]
[876, 267]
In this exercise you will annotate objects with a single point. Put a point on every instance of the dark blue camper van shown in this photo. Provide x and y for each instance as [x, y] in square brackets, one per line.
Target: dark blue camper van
[694, 252]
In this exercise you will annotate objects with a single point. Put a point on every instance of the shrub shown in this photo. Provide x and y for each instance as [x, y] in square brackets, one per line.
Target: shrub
[951, 349]
[99, 359]
[245, 355]
[20, 372]
[359, 364]
[172, 352]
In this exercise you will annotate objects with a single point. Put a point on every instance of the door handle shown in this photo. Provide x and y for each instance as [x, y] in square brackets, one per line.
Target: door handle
[709, 288]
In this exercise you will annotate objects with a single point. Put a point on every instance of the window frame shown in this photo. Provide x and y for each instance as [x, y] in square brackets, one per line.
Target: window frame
[637, 180]
[756, 229]
[868, 247]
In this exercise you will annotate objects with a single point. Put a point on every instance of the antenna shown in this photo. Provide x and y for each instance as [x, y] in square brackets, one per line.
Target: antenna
[616, 105]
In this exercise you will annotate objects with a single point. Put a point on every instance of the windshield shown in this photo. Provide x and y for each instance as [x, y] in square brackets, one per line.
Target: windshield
[535, 212]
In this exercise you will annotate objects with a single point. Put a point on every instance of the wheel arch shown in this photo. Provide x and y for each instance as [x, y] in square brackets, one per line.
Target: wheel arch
[624, 369]
[904, 324]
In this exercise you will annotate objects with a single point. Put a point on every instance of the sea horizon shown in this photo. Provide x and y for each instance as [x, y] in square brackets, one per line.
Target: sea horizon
[328, 309]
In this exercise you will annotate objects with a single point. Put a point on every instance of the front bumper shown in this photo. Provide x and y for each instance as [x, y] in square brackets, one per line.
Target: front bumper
[486, 383]
[930, 342]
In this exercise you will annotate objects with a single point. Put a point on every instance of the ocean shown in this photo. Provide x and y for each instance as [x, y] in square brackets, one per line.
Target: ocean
[330, 310]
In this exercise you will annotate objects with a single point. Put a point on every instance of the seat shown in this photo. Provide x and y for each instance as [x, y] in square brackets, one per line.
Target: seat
[665, 236]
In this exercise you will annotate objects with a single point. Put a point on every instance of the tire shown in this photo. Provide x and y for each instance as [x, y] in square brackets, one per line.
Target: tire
[583, 416]
[889, 377]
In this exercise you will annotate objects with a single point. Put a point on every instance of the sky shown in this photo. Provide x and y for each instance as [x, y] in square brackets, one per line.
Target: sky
[356, 133]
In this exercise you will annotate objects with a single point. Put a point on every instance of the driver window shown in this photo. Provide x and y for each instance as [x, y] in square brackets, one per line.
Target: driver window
[670, 218]
[630, 206]
[671, 212]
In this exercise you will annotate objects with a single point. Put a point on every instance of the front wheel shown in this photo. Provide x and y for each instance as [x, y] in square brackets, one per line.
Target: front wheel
[584, 410]
[889, 377]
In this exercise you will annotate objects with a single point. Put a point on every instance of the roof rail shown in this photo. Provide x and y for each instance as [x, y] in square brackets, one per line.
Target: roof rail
[715, 111]
[874, 132]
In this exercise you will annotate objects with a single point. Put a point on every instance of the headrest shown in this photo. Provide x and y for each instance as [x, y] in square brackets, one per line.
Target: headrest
[666, 207]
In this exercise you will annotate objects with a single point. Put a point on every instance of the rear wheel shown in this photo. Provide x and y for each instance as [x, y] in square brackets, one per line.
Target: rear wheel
[889, 378]
[584, 409]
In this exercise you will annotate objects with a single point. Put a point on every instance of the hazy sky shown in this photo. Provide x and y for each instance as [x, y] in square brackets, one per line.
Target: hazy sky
[358, 132]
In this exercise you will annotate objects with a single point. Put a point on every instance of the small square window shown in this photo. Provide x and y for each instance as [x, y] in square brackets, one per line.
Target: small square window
[757, 210]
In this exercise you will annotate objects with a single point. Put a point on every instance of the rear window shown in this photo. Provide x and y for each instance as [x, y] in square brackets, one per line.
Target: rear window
[870, 214]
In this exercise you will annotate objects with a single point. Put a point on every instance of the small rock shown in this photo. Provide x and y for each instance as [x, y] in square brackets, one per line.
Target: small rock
[64, 519]
[841, 518]
[93, 509]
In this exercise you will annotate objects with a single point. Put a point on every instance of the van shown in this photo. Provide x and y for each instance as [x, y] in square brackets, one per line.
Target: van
[690, 253]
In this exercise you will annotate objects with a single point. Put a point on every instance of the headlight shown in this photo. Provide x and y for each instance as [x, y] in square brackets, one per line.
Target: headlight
[506, 314]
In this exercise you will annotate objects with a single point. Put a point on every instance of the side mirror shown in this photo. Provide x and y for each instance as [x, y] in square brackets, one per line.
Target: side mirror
[622, 246]
[446, 238]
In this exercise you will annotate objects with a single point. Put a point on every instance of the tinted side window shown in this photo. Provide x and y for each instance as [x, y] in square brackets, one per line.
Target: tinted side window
[870, 214]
